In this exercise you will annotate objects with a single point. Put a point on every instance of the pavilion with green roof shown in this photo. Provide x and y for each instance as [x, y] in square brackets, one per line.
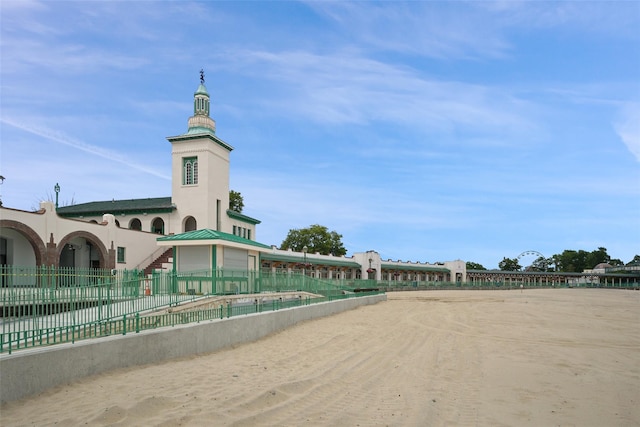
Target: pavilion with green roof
[209, 249]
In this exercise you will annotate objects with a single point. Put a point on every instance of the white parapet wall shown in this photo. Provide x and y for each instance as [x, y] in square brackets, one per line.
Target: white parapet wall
[28, 372]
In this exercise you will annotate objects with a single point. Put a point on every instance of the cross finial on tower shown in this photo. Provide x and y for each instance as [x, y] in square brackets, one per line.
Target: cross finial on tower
[201, 76]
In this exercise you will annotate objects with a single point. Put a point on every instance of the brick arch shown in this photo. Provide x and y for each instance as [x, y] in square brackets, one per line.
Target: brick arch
[37, 244]
[95, 240]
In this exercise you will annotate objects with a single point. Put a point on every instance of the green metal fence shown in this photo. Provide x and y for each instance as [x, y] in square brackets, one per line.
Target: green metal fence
[136, 322]
[46, 305]
[422, 285]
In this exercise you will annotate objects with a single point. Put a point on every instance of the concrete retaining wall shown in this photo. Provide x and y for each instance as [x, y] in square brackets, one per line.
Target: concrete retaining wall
[28, 372]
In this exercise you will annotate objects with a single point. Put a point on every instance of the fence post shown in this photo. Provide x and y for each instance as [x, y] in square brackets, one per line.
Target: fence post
[137, 322]
[124, 324]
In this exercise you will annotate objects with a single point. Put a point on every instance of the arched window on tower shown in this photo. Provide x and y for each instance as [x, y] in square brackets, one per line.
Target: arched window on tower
[190, 170]
[135, 224]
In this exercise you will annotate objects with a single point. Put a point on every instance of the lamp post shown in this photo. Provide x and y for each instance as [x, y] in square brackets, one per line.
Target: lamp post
[56, 188]
[304, 251]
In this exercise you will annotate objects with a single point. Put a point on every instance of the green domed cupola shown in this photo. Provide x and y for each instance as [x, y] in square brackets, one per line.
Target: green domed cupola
[200, 122]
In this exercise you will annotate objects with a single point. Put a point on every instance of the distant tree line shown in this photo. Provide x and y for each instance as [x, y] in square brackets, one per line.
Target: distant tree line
[569, 261]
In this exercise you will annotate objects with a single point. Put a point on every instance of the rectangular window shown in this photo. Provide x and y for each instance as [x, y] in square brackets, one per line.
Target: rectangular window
[218, 206]
[121, 257]
[189, 170]
[249, 234]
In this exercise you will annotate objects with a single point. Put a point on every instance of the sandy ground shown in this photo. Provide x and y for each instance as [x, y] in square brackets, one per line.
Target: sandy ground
[564, 357]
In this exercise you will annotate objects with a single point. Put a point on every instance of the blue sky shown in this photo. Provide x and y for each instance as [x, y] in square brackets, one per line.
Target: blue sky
[427, 131]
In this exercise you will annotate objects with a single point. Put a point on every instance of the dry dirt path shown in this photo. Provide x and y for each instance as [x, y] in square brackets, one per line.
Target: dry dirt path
[440, 358]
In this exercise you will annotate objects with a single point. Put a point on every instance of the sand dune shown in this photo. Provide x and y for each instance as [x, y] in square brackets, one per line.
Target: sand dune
[563, 357]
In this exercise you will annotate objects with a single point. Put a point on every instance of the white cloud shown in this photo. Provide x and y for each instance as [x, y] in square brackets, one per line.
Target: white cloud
[611, 18]
[341, 88]
[627, 126]
[432, 29]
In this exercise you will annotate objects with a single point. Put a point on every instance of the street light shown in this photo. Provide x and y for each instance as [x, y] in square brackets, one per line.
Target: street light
[57, 190]
[1, 182]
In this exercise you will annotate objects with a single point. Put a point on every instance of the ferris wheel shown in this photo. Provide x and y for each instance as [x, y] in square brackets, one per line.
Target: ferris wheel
[527, 254]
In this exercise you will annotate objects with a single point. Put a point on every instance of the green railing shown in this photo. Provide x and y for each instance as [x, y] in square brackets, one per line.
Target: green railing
[135, 323]
[45, 305]
[420, 285]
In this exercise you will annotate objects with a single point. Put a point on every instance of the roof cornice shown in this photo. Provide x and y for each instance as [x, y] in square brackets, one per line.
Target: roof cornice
[194, 136]
[237, 215]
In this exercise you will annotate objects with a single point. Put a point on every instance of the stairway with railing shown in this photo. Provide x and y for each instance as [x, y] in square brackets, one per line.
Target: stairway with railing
[157, 264]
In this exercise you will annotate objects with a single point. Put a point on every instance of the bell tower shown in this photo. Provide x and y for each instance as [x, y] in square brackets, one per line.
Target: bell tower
[200, 170]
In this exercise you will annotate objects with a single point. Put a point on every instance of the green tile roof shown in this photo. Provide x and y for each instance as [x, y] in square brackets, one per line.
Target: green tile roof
[270, 256]
[242, 217]
[389, 266]
[208, 234]
[131, 206]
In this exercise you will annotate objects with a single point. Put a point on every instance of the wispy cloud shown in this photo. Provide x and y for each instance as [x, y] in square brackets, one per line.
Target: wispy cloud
[72, 57]
[101, 152]
[420, 28]
[344, 89]
[617, 19]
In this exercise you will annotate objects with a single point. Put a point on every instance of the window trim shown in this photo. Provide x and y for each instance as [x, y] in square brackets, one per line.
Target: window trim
[121, 255]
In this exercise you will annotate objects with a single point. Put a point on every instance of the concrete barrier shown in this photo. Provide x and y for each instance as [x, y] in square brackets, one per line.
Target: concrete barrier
[28, 372]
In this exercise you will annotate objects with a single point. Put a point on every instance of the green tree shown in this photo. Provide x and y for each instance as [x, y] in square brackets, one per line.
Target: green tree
[596, 257]
[474, 266]
[508, 264]
[571, 261]
[615, 262]
[317, 238]
[635, 260]
[236, 203]
[541, 264]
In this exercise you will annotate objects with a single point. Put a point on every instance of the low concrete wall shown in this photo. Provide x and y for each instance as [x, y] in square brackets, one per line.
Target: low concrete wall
[32, 371]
